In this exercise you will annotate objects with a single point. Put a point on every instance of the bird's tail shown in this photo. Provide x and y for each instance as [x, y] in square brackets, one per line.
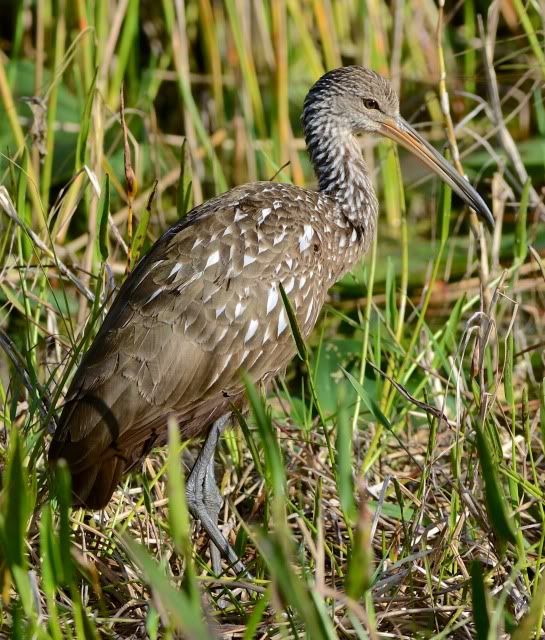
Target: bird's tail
[92, 487]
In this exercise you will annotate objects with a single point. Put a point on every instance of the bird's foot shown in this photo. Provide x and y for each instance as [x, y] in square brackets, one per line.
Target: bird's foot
[205, 501]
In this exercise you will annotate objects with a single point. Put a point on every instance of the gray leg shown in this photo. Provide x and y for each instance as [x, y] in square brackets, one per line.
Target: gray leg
[204, 499]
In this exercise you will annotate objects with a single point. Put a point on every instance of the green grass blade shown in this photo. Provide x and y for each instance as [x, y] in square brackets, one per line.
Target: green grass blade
[521, 240]
[81, 144]
[274, 465]
[142, 229]
[368, 400]
[63, 493]
[345, 463]
[102, 220]
[360, 563]
[495, 500]
[178, 514]
[531, 621]
[183, 613]
[291, 587]
[184, 191]
[16, 504]
[481, 616]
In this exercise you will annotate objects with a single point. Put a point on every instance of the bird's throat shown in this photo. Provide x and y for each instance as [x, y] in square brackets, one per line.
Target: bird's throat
[343, 175]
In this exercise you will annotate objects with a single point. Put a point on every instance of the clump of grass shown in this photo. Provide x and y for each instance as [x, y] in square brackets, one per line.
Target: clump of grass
[391, 484]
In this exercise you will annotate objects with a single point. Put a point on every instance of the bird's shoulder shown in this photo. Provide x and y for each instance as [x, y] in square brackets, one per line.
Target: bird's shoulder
[265, 206]
[252, 232]
[220, 268]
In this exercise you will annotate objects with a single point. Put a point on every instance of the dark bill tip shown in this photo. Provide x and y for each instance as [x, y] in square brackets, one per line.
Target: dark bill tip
[402, 133]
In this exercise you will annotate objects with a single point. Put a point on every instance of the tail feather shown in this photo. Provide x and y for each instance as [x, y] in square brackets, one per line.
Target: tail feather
[94, 487]
[94, 461]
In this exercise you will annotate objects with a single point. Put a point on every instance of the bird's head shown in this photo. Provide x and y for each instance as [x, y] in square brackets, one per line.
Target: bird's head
[357, 100]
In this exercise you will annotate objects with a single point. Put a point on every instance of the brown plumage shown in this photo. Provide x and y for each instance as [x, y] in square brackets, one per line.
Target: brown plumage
[204, 304]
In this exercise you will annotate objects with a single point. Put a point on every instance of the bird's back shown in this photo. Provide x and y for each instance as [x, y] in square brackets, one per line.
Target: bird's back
[200, 308]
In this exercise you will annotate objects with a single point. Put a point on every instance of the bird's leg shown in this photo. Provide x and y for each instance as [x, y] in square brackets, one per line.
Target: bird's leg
[204, 499]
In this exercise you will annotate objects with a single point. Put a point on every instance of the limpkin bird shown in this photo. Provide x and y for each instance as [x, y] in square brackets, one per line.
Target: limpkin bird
[204, 304]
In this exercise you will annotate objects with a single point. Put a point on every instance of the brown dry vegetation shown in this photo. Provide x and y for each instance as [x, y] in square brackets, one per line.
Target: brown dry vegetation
[395, 485]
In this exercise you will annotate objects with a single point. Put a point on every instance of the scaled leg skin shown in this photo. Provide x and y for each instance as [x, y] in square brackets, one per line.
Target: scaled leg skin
[204, 499]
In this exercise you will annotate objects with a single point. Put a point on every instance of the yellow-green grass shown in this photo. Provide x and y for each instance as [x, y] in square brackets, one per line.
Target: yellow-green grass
[392, 483]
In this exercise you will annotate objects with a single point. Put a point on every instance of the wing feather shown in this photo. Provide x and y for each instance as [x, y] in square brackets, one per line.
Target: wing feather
[199, 308]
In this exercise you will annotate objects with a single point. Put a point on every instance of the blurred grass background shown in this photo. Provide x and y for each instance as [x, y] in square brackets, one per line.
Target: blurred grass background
[392, 484]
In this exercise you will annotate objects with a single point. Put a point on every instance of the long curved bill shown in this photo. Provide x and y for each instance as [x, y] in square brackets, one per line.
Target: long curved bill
[401, 132]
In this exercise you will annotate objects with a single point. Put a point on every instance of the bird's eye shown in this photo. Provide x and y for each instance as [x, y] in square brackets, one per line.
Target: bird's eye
[369, 103]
